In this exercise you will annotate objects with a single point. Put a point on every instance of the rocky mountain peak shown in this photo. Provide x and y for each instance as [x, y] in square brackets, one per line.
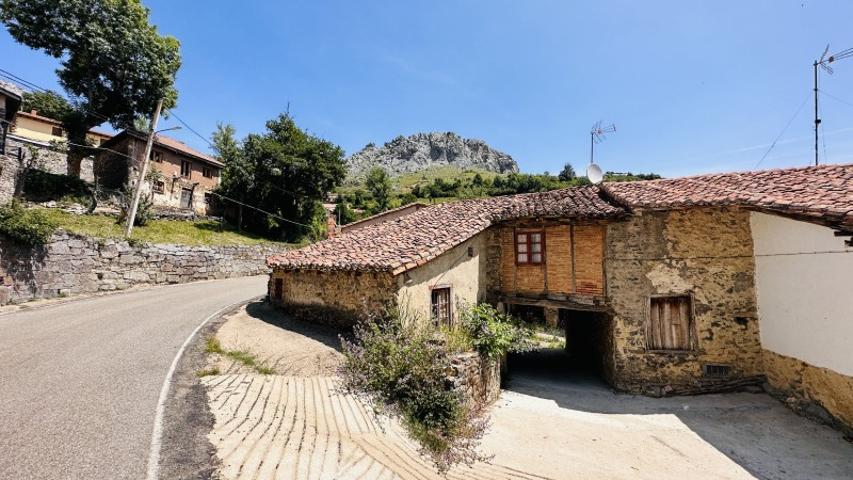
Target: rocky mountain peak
[425, 150]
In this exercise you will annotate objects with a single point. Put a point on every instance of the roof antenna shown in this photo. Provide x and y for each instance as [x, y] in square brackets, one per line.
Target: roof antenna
[824, 64]
[597, 135]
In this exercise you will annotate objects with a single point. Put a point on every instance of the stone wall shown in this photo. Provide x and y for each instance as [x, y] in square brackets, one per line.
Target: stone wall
[478, 379]
[9, 168]
[704, 253]
[336, 298]
[49, 158]
[815, 392]
[71, 264]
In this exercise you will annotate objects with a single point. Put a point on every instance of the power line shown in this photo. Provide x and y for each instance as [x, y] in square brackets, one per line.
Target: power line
[787, 125]
[258, 209]
[715, 257]
[32, 86]
[172, 113]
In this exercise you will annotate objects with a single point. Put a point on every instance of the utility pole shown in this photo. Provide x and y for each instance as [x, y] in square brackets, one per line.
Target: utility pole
[816, 117]
[137, 193]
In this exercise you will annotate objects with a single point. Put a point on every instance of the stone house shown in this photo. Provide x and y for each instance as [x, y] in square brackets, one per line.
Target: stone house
[667, 286]
[184, 176]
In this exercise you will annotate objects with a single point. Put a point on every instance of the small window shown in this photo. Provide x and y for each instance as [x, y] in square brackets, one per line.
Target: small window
[208, 198]
[279, 289]
[441, 306]
[207, 172]
[529, 247]
[159, 186]
[186, 168]
[670, 323]
[56, 131]
[157, 156]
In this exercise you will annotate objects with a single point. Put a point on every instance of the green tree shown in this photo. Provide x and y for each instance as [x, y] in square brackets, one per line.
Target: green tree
[567, 174]
[115, 66]
[378, 183]
[47, 104]
[285, 171]
[344, 214]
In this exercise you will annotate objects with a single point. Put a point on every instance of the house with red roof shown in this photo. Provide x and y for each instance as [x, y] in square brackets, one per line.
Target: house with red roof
[178, 176]
[671, 286]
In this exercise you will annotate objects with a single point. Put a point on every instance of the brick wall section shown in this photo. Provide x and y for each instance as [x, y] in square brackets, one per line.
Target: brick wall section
[573, 260]
[335, 298]
[72, 265]
[725, 318]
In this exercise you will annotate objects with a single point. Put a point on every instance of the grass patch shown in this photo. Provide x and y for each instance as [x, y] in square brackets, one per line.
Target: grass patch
[206, 372]
[202, 232]
[213, 345]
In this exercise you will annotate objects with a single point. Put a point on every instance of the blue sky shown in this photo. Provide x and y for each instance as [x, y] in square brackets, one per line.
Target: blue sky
[692, 86]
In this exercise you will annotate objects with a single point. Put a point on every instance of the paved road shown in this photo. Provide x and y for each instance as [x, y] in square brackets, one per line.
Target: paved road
[79, 382]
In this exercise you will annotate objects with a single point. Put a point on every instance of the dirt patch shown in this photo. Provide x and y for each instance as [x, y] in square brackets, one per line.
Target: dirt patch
[275, 341]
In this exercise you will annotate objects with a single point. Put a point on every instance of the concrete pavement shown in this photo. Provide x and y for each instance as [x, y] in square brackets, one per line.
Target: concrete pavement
[79, 382]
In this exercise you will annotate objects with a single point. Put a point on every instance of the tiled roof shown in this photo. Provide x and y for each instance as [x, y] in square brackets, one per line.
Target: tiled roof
[413, 206]
[170, 143]
[414, 239]
[823, 194]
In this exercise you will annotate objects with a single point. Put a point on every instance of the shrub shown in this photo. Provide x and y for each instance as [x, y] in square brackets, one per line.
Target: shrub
[41, 186]
[402, 369]
[28, 226]
[492, 333]
[144, 211]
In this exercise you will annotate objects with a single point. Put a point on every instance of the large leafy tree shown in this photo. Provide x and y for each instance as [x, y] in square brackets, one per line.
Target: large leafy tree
[114, 64]
[378, 183]
[47, 104]
[285, 171]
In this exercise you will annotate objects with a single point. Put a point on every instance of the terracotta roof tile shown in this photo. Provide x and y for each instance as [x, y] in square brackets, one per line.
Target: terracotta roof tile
[824, 192]
[404, 243]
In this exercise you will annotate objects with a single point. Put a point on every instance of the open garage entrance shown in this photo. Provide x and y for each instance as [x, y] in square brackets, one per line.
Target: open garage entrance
[575, 344]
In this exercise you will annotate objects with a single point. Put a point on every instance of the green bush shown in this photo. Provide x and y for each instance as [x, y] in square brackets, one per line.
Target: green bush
[41, 186]
[27, 226]
[403, 369]
[493, 334]
[144, 210]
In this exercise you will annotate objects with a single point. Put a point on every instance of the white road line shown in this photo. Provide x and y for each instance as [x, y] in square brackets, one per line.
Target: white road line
[157, 433]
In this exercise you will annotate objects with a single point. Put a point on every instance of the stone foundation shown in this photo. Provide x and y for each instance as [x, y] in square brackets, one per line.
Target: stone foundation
[815, 392]
[477, 378]
[71, 264]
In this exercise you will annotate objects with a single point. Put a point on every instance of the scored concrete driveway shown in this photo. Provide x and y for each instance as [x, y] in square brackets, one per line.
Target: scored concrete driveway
[80, 381]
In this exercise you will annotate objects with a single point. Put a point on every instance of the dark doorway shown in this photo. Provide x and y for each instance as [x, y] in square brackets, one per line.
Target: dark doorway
[583, 359]
[587, 340]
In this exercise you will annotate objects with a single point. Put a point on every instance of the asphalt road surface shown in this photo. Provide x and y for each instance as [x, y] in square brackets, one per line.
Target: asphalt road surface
[79, 382]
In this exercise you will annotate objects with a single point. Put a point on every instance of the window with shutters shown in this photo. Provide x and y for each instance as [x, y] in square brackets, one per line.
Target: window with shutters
[670, 323]
[186, 168]
[441, 313]
[529, 247]
[56, 131]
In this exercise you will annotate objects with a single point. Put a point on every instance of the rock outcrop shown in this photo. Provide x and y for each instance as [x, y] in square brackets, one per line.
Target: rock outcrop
[425, 150]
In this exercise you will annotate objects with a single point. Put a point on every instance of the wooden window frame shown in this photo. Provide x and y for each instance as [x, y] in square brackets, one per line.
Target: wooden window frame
[529, 246]
[207, 172]
[159, 186]
[189, 165]
[432, 305]
[692, 337]
[157, 156]
[57, 131]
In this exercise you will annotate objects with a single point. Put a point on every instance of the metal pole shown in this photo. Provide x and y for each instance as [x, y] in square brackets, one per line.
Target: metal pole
[591, 147]
[137, 193]
[816, 118]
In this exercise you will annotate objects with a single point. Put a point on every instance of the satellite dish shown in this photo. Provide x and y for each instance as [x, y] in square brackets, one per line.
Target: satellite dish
[594, 173]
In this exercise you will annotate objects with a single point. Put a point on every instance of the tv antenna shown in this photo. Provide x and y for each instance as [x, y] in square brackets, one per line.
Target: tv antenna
[824, 63]
[597, 135]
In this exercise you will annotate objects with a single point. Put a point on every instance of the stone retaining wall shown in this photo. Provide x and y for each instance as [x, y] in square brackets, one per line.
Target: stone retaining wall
[49, 157]
[478, 379]
[71, 264]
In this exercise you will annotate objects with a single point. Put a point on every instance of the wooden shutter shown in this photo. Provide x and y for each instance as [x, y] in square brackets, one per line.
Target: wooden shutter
[670, 323]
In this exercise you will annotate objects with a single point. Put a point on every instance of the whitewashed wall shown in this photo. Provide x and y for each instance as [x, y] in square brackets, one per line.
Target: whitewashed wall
[805, 302]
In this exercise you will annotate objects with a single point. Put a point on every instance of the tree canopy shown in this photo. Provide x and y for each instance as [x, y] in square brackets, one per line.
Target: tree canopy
[47, 104]
[285, 171]
[114, 64]
[378, 183]
[567, 174]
